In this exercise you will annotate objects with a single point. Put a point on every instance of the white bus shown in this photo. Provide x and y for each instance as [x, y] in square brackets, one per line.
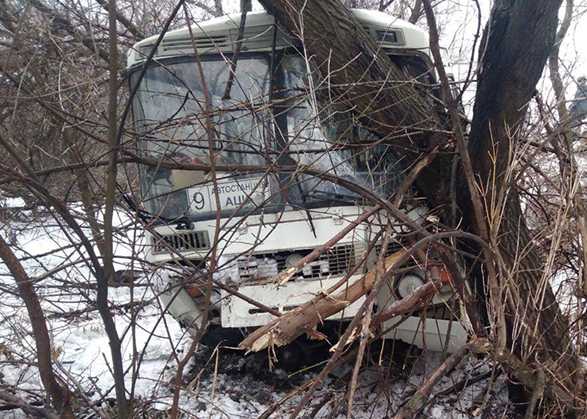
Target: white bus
[275, 114]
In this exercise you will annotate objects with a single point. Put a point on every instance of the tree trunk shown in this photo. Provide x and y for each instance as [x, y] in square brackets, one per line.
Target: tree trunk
[60, 395]
[514, 51]
[369, 82]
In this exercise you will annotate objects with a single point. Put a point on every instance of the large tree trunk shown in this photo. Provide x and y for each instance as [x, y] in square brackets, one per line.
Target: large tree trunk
[369, 82]
[514, 52]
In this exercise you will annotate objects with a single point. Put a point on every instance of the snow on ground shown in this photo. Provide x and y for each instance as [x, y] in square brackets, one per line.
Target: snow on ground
[219, 384]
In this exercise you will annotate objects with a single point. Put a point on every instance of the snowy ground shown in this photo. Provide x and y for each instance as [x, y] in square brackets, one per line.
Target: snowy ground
[219, 384]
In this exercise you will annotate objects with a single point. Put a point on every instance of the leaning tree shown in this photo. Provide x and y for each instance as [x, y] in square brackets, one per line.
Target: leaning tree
[529, 335]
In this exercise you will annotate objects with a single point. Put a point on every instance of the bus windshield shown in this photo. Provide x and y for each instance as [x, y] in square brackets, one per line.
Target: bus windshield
[260, 123]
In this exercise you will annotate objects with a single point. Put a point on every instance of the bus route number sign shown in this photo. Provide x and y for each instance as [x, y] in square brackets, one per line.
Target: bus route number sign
[233, 194]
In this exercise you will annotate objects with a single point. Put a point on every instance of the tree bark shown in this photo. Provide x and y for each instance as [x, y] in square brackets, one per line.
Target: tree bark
[514, 50]
[107, 243]
[369, 82]
[60, 396]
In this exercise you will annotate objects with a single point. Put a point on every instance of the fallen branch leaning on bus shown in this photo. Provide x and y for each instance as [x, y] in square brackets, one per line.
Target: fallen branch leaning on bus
[305, 318]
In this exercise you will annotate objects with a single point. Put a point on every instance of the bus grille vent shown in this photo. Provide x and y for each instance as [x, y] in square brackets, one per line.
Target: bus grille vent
[336, 262]
[392, 247]
[181, 242]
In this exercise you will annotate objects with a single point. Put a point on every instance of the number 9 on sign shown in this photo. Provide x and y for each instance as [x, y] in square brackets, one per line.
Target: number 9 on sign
[199, 201]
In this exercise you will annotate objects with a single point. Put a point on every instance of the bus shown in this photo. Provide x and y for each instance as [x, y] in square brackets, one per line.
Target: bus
[271, 124]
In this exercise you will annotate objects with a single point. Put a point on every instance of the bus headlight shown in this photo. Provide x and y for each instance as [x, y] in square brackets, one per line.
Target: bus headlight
[292, 259]
[409, 282]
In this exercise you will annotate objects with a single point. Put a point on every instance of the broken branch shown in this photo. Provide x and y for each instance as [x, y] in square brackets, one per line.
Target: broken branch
[305, 318]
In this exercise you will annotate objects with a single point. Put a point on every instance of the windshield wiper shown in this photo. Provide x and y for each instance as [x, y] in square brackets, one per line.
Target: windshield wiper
[334, 196]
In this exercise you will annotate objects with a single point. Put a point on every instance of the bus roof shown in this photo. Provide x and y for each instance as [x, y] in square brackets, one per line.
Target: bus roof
[219, 36]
